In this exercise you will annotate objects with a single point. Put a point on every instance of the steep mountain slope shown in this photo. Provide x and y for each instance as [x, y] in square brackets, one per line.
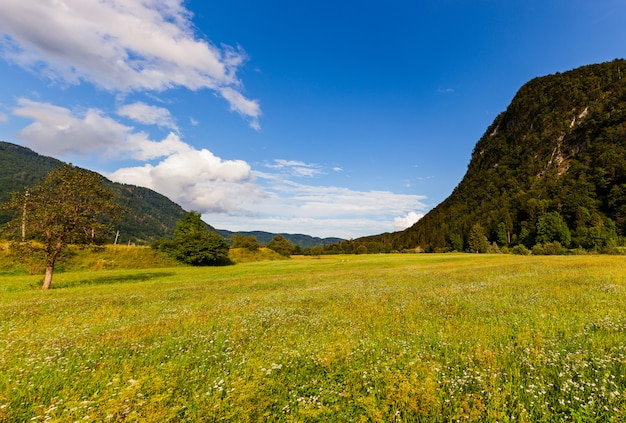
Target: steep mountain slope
[560, 147]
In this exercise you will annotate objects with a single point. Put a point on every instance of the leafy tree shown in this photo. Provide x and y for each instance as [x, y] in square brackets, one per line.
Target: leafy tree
[70, 206]
[318, 250]
[245, 241]
[551, 227]
[281, 245]
[361, 249]
[195, 244]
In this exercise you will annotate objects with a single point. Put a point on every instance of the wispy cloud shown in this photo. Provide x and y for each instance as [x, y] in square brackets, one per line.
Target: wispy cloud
[149, 115]
[135, 45]
[321, 210]
[295, 168]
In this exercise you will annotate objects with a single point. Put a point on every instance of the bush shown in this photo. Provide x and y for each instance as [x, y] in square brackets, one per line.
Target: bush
[281, 245]
[245, 241]
[552, 248]
[362, 249]
[520, 250]
[201, 249]
[548, 249]
[194, 243]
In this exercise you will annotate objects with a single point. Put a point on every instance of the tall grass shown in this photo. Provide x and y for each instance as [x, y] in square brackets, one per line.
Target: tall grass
[436, 338]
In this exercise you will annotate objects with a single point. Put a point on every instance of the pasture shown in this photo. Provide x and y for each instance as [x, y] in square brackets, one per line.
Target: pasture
[371, 338]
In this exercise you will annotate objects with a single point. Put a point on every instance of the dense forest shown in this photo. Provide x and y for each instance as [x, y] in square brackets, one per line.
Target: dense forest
[550, 169]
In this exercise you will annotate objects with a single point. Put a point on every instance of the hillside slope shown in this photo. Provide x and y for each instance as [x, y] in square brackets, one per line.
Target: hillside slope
[150, 215]
[560, 147]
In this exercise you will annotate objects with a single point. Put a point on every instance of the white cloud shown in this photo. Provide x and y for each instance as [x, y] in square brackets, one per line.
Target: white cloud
[228, 192]
[61, 132]
[130, 45]
[149, 115]
[243, 106]
[295, 168]
[319, 210]
[312, 201]
[323, 211]
[3, 118]
[406, 221]
[58, 131]
[196, 179]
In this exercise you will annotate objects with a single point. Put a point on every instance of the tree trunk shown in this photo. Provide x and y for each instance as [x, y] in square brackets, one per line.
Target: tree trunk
[47, 280]
[51, 259]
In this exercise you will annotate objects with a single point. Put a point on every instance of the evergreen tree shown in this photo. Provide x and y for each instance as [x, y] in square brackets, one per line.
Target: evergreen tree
[477, 242]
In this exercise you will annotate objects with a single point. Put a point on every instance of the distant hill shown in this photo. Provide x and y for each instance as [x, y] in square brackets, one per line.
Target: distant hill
[558, 149]
[150, 216]
[304, 241]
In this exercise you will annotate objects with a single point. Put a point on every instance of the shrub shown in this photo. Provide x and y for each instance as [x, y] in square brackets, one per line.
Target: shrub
[521, 250]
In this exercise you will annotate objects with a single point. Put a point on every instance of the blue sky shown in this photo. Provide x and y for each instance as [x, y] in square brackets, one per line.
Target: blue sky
[329, 118]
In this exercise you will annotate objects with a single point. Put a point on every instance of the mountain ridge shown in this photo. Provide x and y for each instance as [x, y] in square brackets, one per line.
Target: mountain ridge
[152, 215]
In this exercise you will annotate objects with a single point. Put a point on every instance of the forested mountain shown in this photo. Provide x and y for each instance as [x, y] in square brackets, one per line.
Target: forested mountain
[150, 215]
[552, 167]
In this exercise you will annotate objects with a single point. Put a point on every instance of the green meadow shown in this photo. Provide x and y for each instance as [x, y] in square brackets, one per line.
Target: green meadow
[359, 338]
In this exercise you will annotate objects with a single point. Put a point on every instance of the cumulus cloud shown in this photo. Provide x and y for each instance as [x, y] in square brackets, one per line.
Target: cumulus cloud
[406, 221]
[195, 179]
[148, 115]
[130, 45]
[198, 180]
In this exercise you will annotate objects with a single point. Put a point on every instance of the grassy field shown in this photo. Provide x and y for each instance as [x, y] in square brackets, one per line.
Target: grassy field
[380, 338]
